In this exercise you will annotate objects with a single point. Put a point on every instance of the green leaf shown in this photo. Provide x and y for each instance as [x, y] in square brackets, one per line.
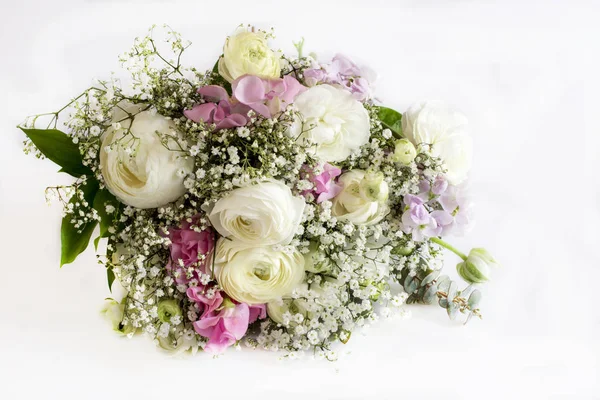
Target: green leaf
[430, 278]
[110, 276]
[391, 119]
[221, 81]
[58, 147]
[101, 200]
[75, 240]
[474, 299]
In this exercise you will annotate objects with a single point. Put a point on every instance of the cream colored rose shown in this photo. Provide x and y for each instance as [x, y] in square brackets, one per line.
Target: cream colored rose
[333, 120]
[256, 275]
[137, 167]
[363, 200]
[436, 124]
[262, 214]
[247, 53]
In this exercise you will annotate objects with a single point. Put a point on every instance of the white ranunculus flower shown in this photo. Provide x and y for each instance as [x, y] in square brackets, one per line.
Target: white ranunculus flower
[256, 274]
[363, 199]
[247, 53]
[445, 130]
[264, 214]
[137, 167]
[333, 120]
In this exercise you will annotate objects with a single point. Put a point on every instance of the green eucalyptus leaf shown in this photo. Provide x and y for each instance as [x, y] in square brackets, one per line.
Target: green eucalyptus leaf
[430, 278]
[58, 147]
[443, 302]
[452, 291]
[452, 310]
[391, 119]
[443, 283]
[75, 240]
[430, 295]
[410, 284]
[474, 299]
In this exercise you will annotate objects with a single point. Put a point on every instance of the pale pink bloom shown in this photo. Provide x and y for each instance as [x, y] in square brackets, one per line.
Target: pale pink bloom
[325, 186]
[266, 96]
[192, 248]
[219, 110]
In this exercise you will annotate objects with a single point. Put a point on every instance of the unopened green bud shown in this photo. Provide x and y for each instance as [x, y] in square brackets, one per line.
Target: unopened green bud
[404, 152]
[374, 187]
[168, 309]
[476, 268]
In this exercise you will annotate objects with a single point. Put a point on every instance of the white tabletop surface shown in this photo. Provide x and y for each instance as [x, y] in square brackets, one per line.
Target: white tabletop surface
[527, 75]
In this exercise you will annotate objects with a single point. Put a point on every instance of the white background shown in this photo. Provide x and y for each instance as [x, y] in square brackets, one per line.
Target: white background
[525, 73]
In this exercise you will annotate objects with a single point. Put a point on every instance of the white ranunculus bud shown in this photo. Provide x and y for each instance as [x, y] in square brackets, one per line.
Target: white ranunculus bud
[256, 274]
[247, 53]
[263, 214]
[316, 261]
[276, 310]
[333, 120]
[362, 200]
[404, 152]
[137, 166]
[445, 130]
[476, 268]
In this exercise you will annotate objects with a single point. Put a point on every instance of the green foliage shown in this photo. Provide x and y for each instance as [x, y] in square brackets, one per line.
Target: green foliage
[219, 80]
[105, 198]
[391, 119]
[58, 147]
[75, 240]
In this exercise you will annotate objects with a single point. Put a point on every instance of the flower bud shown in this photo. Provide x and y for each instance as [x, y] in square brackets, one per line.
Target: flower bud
[404, 152]
[315, 261]
[373, 187]
[476, 268]
[168, 309]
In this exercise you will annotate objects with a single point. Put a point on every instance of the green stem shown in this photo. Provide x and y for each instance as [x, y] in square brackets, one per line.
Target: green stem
[449, 247]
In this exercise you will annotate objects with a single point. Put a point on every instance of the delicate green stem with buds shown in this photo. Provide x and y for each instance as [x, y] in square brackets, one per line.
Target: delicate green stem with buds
[449, 247]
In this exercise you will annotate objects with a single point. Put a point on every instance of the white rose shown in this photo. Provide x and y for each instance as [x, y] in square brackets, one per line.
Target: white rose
[445, 130]
[363, 199]
[137, 167]
[247, 53]
[256, 275]
[262, 214]
[333, 120]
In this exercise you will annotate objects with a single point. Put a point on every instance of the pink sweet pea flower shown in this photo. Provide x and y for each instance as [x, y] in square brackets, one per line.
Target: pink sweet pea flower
[344, 72]
[225, 328]
[266, 96]
[189, 246]
[205, 304]
[222, 321]
[220, 109]
[325, 186]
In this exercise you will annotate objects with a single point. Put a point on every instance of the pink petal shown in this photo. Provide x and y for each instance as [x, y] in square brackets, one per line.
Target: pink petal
[213, 93]
[249, 89]
[257, 311]
[201, 112]
[232, 121]
[237, 323]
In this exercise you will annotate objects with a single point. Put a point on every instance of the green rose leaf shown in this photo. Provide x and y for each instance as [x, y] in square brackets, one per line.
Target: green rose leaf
[391, 119]
[75, 240]
[221, 81]
[58, 147]
[103, 199]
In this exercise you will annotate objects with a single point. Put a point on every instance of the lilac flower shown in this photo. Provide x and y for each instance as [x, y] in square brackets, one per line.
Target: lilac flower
[342, 71]
[455, 201]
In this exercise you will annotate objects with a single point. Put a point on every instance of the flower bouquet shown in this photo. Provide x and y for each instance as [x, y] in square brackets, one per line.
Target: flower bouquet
[270, 201]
